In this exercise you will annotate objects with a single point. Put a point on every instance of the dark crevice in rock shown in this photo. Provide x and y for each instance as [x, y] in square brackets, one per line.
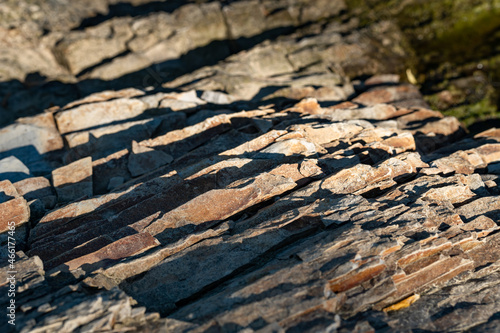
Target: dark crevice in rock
[259, 261]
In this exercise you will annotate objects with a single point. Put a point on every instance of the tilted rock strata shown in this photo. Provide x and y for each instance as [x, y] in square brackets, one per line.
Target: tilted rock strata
[317, 205]
[323, 214]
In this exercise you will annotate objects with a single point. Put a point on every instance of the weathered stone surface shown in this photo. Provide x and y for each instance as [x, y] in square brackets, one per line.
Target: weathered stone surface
[123, 248]
[101, 113]
[83, 53]
[7, 191]
[37, 188]
[105, 96]
[13, 169]
[144, 159]
[14, 213]
[106, 168]
[74, 180]
[106, 140]
[241, 181]
[374, 112]
[29, 140]
[70, 307]
[217, 205]
[178, 142]
[389, 94]
[39, 131]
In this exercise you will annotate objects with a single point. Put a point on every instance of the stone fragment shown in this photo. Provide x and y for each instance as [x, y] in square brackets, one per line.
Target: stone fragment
[481, 206]
[121, 66]
[373, 112]
[356, 277]
[256, 144]
[176, 142]
[450, 164]
[29, 140]
[81, 54]
[123, 248]
[144, 159]
[382, 79]
[7, 191]
[446, 126]
[38, 131]
[73, 181]
[239, 23]
[178, 105]
[37, 188]
[88, 116]
[388, 95]
[326, 94]
[105, 96]
[109, 139]
[13, 213]
[13, 169]
[402, 304]
[490, 153]
[439, 271]
[358, 177]
[322, 134]
[453, 193]
[482, 225]
[217, 205]
[289, 147]
[216, 97]
[465, 161]
[190, 97]
[308, 105]
[490, 133]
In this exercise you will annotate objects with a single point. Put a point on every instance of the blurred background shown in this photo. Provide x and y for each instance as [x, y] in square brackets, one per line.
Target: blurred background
[55, 51]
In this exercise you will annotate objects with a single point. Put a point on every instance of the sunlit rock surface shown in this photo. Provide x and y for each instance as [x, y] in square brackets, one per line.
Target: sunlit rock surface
[258, 188]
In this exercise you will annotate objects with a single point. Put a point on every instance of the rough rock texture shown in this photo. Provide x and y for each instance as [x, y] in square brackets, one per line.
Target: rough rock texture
[266, 192]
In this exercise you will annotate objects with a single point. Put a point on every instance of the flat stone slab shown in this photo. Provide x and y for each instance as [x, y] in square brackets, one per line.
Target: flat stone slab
[74, 180]
[13, 169]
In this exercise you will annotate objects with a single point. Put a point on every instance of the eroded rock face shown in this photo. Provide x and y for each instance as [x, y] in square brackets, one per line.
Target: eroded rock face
[289, 201]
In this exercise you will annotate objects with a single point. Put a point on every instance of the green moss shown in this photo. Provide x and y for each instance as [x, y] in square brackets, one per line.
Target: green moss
[450, 38]
[461, 37]
[471, 113]
[439, 30]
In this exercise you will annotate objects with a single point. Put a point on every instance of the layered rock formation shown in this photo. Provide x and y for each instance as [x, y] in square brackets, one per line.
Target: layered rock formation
[267, 192]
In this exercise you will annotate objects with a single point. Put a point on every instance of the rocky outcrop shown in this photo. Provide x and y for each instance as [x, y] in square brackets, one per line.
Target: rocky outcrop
[265, 192]
[455, 63]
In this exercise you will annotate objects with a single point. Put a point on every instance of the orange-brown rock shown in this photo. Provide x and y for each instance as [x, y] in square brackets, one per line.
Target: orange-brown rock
[123, 248]
[13, 214]
[236, 166]
[74, 180]
[91, 115]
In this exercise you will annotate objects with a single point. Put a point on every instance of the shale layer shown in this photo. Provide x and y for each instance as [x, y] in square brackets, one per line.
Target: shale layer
[249, 176]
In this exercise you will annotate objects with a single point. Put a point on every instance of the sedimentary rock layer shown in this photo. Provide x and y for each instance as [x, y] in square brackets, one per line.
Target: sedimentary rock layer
[267, 192]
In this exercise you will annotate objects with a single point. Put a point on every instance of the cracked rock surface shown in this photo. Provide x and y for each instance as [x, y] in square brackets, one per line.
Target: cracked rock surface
[257, 184]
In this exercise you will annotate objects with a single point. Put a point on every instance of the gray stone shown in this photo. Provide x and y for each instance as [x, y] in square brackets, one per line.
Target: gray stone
[13, 169]
[144, 159]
